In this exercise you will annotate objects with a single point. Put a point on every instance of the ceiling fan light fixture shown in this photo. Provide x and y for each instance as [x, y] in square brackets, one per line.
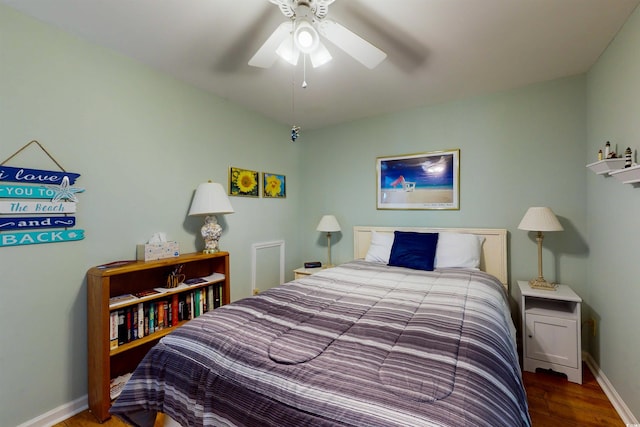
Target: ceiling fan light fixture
[320, 56]
[305, 39]
[288, 51]
[305, 36]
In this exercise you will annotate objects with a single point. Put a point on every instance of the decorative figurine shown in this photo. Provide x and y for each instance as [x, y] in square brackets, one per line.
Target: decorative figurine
[599, 155]
[607, 150]
[295, 133]
[627, 157]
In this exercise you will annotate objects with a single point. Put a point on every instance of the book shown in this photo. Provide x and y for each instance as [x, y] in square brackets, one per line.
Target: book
[209, 298]
[165, 290]
[146, 293]
[146, 319]
[189, 305]
[160, 317]
[140, 320]
[217, 291]
[113, 330]
[134, 323]
[175, 310]
[117, 384]
[122, 327]
[181, 309]
[214, 277]
[120, 300]
[152, 318]
[196, 303]
[128, 320]
[165, 308]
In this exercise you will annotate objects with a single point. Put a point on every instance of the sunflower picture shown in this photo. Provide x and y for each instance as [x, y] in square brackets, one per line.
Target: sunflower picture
[243, 182]
[273, 185]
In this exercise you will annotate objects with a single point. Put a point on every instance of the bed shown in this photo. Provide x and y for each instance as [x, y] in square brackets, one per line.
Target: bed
[360, 344]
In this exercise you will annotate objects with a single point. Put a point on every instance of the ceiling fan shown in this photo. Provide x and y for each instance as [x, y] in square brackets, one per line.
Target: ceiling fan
[301, 35]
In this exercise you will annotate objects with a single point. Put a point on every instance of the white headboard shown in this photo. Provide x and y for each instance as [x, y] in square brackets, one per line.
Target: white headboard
[494, 248]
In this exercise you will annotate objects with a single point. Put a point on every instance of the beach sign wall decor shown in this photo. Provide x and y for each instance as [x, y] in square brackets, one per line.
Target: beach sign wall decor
[37, 199]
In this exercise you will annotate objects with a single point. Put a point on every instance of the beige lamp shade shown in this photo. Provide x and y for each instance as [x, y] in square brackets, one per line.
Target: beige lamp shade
[540, 219]
[210, 198]
[328, 223]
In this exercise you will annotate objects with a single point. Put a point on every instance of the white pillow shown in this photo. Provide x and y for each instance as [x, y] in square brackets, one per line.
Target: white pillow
[380, 248]
[458, 250]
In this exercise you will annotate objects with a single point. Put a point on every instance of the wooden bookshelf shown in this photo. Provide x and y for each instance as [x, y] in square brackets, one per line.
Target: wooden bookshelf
[105, 282]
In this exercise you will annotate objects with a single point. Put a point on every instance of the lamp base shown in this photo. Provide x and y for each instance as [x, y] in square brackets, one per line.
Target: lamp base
[211, 232]
[541, 283]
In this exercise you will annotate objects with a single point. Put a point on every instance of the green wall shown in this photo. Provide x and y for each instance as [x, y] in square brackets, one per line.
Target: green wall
[144, 141]
[518, 149]
[613, 210]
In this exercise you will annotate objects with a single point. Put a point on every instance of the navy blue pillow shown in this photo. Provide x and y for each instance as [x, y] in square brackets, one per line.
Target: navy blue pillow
[413, 250]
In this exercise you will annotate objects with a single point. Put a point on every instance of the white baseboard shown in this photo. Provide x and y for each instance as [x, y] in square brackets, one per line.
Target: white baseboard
[59, 414]
[615, 399]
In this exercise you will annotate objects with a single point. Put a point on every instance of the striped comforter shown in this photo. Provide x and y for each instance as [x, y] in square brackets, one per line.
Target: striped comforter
[360, 344]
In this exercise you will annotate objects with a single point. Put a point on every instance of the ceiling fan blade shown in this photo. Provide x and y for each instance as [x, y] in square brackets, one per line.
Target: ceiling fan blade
[322, 8]
[286, 7]
[363, 51]
[266, 55]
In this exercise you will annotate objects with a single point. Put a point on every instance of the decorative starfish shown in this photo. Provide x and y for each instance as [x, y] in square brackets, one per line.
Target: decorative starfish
[64, 191]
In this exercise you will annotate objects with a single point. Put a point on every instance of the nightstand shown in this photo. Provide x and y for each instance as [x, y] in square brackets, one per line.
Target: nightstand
[302, 272]
[551, 330]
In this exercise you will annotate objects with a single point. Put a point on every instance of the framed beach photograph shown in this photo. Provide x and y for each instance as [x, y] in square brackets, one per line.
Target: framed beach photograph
[419, 181]
[243, 182]
[274, 185]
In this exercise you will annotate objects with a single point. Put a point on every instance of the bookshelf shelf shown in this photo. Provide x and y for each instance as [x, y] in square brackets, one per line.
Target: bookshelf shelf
[107, 282]
[144, 340]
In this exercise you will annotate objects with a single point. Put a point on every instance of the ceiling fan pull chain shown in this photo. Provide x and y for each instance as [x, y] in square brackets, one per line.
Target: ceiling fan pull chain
[304, 72]
[295, 130]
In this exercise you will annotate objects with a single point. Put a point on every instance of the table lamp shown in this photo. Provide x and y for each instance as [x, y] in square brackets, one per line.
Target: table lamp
[540, 219]
[327, 224]
[210, 199]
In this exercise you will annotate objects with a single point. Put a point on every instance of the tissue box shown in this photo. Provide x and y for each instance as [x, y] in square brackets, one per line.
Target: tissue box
[151, 251]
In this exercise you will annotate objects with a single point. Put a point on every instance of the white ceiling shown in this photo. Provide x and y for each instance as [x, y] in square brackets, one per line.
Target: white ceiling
[438, 50]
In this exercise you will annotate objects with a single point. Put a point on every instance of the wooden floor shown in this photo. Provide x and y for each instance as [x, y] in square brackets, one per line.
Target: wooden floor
[86, 418]
[553, 402]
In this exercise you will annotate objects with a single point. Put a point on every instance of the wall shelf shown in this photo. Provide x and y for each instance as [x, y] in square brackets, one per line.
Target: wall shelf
[627, 175]
[606, 166]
